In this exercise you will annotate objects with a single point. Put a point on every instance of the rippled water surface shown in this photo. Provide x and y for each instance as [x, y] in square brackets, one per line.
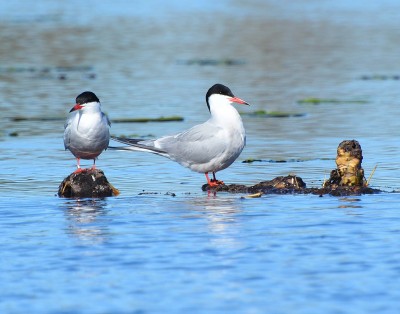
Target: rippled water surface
[163, 245]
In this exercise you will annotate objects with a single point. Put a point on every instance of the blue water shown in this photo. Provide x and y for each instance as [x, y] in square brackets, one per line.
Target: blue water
[201, 254]
[163, 245]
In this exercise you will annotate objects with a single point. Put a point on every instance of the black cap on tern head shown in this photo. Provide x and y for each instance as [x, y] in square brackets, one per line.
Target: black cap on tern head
[86, 97]
[218, 89]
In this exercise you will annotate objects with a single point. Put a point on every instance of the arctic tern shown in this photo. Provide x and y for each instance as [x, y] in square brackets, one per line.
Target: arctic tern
[86, 132]
[208, 147]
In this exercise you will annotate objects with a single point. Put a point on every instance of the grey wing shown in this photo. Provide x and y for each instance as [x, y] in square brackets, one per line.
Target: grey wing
[67, 133]
[196, 145]
[106, 117]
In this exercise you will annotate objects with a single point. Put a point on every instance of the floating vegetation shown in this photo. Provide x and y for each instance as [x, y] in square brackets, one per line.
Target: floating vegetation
[255, 195]
[21, 118]
[317, 101]
[251, 160]
[380, 77]
[47, 72]
[212, 62]
[371, 175]
[157, 193]
[135, 135]
[31, 69]
[122, 120]
[144, 120]
[273, 114]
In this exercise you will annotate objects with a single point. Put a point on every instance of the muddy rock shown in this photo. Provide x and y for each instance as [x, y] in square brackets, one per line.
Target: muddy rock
[348, 161]
[291, 184]
[347, 179]
[88, 183]
[279, 185]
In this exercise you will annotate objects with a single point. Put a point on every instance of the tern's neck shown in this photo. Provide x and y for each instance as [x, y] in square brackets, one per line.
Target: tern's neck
[224, 114]
[92, 107]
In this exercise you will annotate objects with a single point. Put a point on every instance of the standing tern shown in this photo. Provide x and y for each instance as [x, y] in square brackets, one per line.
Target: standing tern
[86, 132]
[208, 147]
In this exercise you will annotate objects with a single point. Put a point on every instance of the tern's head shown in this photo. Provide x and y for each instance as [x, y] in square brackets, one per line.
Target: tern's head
[221, 93]
[85, 99]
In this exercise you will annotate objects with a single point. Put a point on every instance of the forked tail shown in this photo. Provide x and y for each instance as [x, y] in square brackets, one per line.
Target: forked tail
[133, 145]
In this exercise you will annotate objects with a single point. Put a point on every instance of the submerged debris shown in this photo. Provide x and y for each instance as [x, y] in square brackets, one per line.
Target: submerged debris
[87, 183]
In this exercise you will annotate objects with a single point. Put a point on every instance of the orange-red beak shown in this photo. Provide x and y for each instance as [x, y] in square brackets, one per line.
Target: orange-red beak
[76, 107]
[238, 101]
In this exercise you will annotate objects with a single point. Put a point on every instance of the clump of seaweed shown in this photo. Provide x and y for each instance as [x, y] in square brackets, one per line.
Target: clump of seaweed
[273, 114]
[120, 120]
[380, 77]
[145, 120]
[212, 62]
[317, 101]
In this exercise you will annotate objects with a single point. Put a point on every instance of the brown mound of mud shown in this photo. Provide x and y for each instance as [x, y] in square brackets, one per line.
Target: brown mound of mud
[347, 179]
[291, 185]
[87, 183]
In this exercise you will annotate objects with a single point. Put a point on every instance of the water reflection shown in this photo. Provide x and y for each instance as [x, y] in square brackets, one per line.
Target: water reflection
[85, 220]
[349, 202]
[221, 215]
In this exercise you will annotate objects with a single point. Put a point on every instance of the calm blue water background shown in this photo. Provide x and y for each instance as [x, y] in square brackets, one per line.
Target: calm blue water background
[163, 245]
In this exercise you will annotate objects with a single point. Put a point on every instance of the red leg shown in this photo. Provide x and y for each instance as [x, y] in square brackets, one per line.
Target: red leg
[78, 166]
[217, 181]
[212, 183]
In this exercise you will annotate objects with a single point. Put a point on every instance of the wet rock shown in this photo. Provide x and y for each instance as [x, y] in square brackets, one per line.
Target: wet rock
[348, 161]
[291, 184]
[347, 179]
[88, 183]
[279, 185]
[345, 190]
[232, 188]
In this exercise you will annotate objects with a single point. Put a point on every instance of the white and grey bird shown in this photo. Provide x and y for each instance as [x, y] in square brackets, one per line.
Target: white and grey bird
[86, 132]
[208, 147]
